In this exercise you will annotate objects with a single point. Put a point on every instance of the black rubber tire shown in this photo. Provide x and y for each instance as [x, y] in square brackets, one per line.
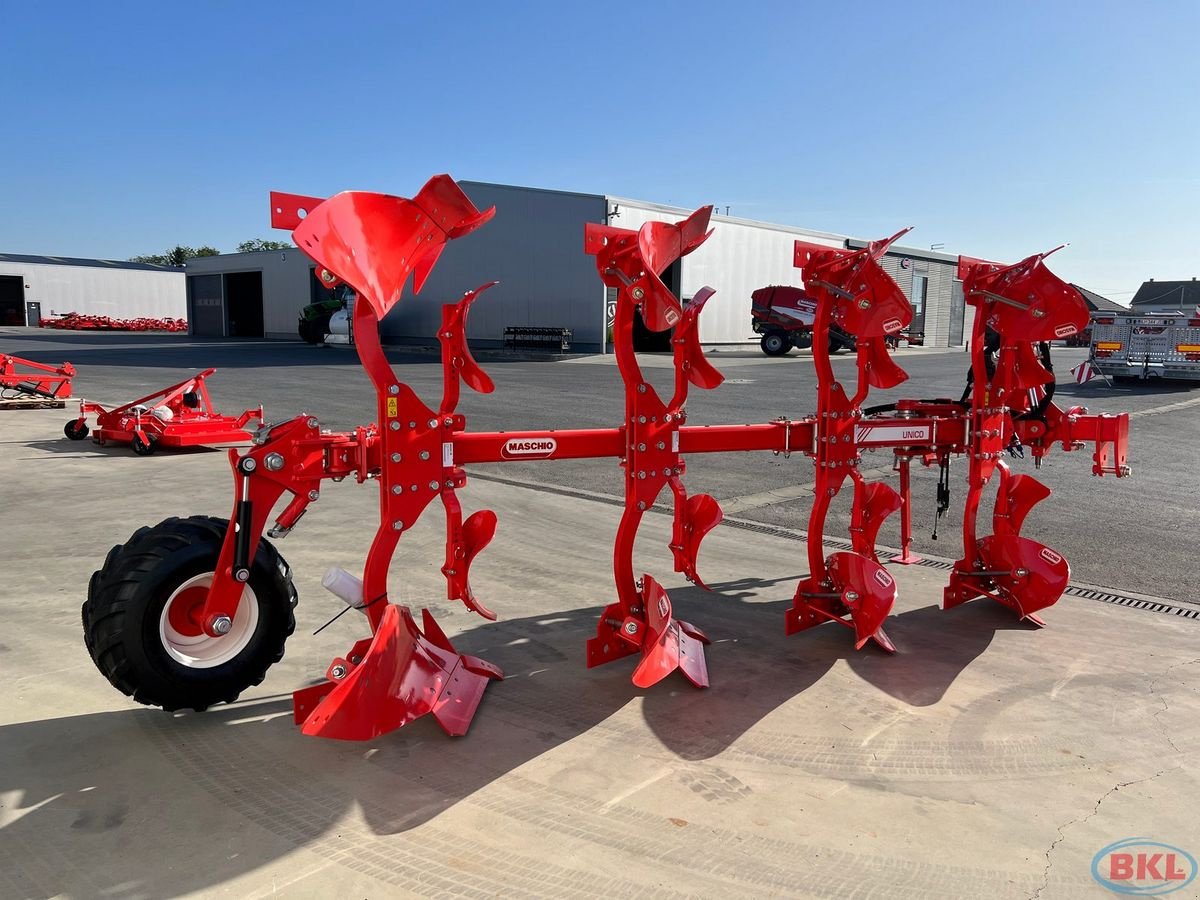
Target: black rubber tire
[140, 448]
[775, 343]
[801, 340]
[125, 602]
[313, 331]
[836, 345]
[76, 430]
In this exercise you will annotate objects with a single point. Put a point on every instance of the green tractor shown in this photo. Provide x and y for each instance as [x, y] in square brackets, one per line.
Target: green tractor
[314, 318]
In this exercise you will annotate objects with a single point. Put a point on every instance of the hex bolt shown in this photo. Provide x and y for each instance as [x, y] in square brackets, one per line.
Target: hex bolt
[433, 485]
[642, 420]
[338, 672]
[314, 494]
[449, 483]
[424, 454]
[396, 489]
[641, 389]
[396, 457]
[638, 293]
[242, 575]
[447, 421]
[395, 426]
[433, 423]
[641, 448]
[222, 624]
[397, 525]
[393, 388]
[631, 627]
[274, 461]
[248, 464]
[313, 423]
[667, 472]
[851, 595]
[641, 504]
[412, 424]
[662, 446]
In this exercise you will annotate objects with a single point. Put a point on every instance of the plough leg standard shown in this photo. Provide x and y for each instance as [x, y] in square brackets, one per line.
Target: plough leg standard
[192, 611]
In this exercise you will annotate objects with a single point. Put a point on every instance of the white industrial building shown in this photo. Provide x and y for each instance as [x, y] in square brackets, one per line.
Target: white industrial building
[534, 248]
[35, 287]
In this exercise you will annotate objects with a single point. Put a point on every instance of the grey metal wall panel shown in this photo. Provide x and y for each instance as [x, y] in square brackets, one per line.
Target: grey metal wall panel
[285, 282]
[122, 293]
[534, 248]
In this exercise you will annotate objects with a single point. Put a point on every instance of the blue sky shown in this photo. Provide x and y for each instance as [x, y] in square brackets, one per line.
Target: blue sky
[997, 129]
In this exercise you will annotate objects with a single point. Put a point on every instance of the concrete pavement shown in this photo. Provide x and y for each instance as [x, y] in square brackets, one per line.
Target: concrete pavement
[985, 759]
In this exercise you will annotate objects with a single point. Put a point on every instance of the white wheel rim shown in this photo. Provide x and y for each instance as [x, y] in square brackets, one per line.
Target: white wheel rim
[201, 651]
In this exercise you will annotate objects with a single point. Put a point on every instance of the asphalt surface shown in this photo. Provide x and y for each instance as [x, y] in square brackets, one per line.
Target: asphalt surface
[1136, 534]
[986, 758]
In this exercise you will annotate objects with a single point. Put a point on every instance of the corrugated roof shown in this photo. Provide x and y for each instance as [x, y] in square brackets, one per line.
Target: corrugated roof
[1183, 295]
[1096, 303]
[79, 261]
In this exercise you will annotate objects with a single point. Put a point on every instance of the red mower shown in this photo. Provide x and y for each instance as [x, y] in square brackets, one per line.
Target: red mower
[181, 415]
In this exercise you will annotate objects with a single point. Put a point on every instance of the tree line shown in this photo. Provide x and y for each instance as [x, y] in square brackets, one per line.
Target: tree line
[179, 254]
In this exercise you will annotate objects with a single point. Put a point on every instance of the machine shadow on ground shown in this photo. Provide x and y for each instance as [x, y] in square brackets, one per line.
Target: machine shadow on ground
[249, 759]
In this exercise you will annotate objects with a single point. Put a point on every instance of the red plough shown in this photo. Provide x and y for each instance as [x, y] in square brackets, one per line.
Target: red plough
[181, 415]
[27, 383]
[233, 583]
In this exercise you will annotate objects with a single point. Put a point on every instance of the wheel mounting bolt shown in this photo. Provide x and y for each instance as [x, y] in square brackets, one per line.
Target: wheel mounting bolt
[242, 575]
[222, 624]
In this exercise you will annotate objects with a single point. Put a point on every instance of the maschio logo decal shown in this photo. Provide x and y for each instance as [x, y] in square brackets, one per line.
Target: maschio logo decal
[529, 448]
[1144, 868]
[1050, 556]
[884, 579]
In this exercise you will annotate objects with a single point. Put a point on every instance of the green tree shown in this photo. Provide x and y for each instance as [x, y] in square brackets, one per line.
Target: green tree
[257, 244]
[176, 256]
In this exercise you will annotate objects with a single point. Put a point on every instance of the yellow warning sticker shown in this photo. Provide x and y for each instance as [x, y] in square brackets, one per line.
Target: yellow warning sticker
[393, 407]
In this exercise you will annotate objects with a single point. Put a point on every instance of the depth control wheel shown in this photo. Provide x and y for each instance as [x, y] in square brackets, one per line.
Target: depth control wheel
[142, 626]
[142, 448]
[76, 429]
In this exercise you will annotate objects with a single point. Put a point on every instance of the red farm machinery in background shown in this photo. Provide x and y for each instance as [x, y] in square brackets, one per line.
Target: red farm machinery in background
[25, 383]
[208, 602]
[181, 415]
[74, 321]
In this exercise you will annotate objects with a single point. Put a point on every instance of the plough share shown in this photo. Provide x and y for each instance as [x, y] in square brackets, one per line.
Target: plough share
[224, 604]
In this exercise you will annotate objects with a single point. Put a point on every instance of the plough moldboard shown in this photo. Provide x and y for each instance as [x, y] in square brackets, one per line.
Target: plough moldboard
[224, 605]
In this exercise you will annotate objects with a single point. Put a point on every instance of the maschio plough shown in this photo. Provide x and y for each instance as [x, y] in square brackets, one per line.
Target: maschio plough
[222, 598]
[23, 382]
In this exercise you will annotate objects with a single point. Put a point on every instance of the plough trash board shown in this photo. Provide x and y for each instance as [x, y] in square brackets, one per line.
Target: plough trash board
[417, 453]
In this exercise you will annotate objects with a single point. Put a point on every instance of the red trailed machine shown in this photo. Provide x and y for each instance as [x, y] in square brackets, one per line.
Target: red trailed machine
[24, 382]
[221, 596]
[181, 415]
